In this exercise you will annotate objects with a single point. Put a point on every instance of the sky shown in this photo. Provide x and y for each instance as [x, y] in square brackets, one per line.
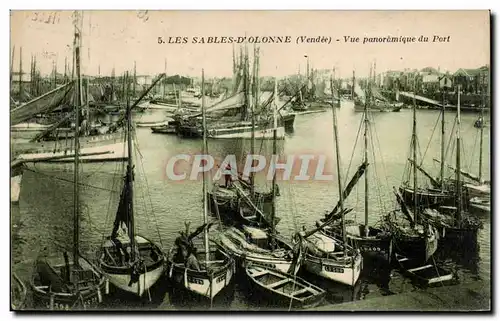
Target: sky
[115, 39]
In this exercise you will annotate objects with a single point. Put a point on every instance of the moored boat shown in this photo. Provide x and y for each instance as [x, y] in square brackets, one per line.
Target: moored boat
[283, 288]
[424, 273]
[131, 262]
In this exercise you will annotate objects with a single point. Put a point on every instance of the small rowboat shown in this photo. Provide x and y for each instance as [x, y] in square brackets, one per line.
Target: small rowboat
[283, 287]
[424, 273]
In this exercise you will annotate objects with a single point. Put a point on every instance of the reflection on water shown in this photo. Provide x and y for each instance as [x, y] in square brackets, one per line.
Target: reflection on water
[43, 218]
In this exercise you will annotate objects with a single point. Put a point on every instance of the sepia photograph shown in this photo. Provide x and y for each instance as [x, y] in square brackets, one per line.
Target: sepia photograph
[243, 161]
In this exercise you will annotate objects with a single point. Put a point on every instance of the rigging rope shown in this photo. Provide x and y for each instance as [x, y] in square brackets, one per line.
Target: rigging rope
[147, 189]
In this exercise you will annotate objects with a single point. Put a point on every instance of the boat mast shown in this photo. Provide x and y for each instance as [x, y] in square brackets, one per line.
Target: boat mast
[366, 162]
[130, 173]
[414, 146]
[339, 179]
[353, 83]
[275, 154]
[480, 174]
[458, 174]
[20, 72]
[246, 85]
[254, 106]
[165, 80]
[441, 172]
[76, 196]
[205, 203]
[12, 64]
[135, 80]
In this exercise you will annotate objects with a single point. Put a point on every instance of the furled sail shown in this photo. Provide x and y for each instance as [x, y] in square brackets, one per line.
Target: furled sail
[44, 103]
[123, 212]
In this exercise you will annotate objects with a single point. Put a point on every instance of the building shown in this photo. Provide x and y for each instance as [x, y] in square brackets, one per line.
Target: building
[472, 81]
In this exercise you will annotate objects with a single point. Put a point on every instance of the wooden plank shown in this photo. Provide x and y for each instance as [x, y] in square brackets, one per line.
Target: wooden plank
[259, 273]
[420, 268]
[276, 284]
[300, 292]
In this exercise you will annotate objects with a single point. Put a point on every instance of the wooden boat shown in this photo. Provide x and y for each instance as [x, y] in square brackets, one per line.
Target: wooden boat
[328, 256]
[27, 130]
[17, 293]
[75, 284]
[216, 268]
[251, 245]
[417, 241]
[214, 276]
[167, 127]
[459, 227]
[236, 205]
[284, 288]
[131, 262]
[333, 259]
[369, 239]
[413, 236]
[64, 286]
[480, 205]
[424, 273]
[143, 272]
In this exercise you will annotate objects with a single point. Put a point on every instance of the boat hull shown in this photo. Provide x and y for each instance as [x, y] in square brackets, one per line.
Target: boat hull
[89, 297]
[146, 280]
[120, 275]
[334, 270]
[241, 250]
[427, 198]
[282, 289]
[201, 283]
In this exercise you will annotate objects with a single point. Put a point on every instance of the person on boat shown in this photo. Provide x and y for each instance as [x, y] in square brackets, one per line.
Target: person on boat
[191, 261]
[227, 175]
[184, 242]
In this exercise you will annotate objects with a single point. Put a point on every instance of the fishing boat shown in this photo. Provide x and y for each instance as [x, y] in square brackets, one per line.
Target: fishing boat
[282, 288]
[412, 235]
[240, 202]
[426, 274]
[131, 262]
[27, 130]
[76, 283]
[216, 268]
[438, 194]
[17, 293]
[164, 129]
[371, 240]
[328, 256]
[455, 221]
[257, 245]
[371, 97]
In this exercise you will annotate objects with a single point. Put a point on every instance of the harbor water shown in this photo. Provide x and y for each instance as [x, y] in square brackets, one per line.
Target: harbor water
[43, 219]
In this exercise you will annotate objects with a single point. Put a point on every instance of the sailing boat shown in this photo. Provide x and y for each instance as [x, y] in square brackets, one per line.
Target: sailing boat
[229, 118]
[130, 261]
[369, 239]
[438, 194]
[328, 256]
[371, 96]
[457, 225]
[237, 202]
[217, 268]
[253, 245]
[70, 284]
[413, 237]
